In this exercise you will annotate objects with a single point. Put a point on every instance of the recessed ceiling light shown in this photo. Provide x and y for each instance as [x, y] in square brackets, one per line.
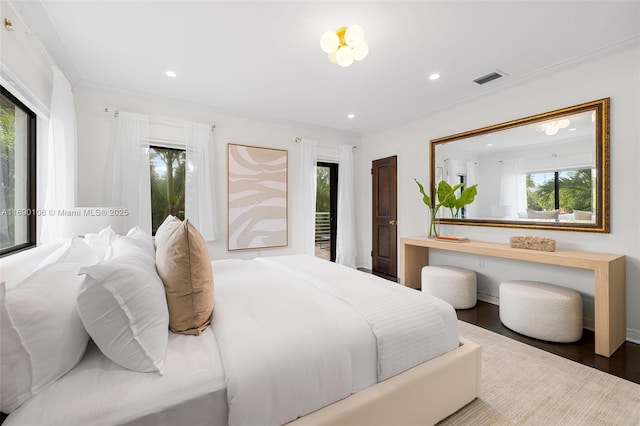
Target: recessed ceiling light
[434, 76]
[573, 129]
[489, 144]
[170, 73]
[351, 116]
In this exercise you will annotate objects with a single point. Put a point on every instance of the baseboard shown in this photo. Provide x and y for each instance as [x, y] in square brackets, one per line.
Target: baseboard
[632, 336]
[589, 324]
[489, 298]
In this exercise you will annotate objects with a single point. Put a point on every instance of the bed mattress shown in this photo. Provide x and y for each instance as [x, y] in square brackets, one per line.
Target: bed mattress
[266, 353]
[99, 392]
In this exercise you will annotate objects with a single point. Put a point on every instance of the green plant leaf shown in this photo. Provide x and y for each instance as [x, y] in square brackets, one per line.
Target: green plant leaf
[447, 197]
[425, 198]
[446, 194]
[467, 196]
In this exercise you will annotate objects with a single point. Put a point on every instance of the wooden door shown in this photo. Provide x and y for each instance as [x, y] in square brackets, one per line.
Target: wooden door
[385, 227]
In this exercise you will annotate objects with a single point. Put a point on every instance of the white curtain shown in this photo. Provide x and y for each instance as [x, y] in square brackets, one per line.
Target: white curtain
[513, 188]
[455, 168]
[346, 239]
[131, 172]
[308, 161]
[471, 210]
[60, 192]
[200, 201]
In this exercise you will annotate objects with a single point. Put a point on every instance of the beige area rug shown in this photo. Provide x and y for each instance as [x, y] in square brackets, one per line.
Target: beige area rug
[523, 385]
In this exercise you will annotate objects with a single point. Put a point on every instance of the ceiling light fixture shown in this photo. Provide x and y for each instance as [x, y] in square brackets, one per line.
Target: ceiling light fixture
[351, 116]
[551, 128]
[345, 45]
[434, 76]
[171, 74]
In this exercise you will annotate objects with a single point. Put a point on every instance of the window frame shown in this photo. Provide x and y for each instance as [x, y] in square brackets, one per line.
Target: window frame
[556, 182]
[31, 211]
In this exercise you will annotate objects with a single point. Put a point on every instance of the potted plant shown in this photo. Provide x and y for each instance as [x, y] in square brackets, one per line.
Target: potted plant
[446, 195]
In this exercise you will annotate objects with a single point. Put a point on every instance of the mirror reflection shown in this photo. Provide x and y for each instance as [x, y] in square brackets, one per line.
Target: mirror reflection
[544, 171]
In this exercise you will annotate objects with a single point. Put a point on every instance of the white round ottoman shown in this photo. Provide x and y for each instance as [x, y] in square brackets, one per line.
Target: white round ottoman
[541, 310]
[456, 286]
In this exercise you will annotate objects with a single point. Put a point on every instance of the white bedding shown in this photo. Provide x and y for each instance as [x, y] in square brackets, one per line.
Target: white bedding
[290, 333]
[287, 338]
[410, 327]
[97, 391]
[291, 348]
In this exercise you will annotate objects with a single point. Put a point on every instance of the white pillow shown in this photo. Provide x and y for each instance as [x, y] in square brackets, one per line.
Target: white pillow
[138, 237]
[100, 243]
[18, 266]
[123, 306]
[41, 333]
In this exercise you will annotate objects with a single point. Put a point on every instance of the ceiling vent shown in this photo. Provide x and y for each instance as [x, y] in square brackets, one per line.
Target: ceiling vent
[489, 77]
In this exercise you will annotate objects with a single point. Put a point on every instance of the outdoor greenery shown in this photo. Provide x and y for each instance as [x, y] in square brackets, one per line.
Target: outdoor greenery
[7, 167]
[167, 184]
[323, 202]
[575, 187]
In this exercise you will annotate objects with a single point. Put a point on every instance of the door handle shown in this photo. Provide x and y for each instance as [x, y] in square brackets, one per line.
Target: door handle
[392, 222]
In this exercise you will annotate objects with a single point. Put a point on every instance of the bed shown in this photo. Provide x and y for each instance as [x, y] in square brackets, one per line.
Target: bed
[294, 339]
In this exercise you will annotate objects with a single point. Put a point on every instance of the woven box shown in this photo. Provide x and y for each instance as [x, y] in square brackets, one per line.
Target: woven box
[533, 243]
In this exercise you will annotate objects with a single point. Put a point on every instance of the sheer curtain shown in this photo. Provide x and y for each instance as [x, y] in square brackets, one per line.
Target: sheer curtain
[346, 239]
[60, 192]
[513, 187]
[455, 168]
[308, 161]
[131, 172]
[200, 205]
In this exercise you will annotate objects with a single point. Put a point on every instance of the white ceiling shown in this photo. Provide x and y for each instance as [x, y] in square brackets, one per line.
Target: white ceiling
[263, 58]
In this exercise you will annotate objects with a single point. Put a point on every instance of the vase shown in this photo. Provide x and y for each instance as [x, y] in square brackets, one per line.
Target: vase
[433, 225]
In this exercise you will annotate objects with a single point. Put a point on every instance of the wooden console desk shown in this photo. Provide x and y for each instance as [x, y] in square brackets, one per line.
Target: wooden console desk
[609, 274]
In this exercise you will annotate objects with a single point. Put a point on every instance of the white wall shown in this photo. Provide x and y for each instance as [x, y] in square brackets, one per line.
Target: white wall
[95, 151]
[616, 75]
[24, 57]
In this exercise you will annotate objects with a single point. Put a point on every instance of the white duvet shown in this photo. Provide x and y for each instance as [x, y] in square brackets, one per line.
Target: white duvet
[297, 333]
[289, 335]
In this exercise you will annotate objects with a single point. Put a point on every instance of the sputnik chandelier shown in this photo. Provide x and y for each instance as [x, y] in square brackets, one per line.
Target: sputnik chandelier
[345, 45]
[551, 127]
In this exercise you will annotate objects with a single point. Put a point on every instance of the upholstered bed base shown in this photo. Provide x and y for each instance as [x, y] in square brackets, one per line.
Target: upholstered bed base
[422, 395]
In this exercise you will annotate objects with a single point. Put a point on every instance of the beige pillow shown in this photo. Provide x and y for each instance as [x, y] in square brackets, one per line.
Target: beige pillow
[183, 264]
[543, 214]
[582, 215]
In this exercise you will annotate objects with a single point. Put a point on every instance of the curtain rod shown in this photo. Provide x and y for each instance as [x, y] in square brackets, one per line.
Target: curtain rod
[298, 140]
[116, 114]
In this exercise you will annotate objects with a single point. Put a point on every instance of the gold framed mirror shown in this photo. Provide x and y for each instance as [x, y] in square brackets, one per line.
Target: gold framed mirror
[546, 171]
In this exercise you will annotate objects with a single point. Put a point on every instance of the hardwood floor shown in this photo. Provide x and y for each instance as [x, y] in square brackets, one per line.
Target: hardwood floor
[624, 363]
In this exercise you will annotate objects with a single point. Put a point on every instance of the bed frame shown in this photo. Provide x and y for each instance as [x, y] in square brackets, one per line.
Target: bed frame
[422, 395]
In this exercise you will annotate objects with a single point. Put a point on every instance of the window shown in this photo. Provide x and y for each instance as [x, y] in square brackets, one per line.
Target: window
[326, 210]
[566, 190]
[167, 184]
[18, 170]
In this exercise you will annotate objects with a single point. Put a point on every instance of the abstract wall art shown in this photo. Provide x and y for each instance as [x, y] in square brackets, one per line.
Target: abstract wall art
[257, 197]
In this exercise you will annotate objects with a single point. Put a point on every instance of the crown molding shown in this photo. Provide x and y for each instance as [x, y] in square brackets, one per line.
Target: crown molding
[34, 16]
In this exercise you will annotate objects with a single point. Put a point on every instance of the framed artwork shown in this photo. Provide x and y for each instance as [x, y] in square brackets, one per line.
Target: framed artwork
[257, 197]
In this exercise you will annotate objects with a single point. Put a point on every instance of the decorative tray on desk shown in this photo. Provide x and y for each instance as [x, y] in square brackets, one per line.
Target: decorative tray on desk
[452, 239]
